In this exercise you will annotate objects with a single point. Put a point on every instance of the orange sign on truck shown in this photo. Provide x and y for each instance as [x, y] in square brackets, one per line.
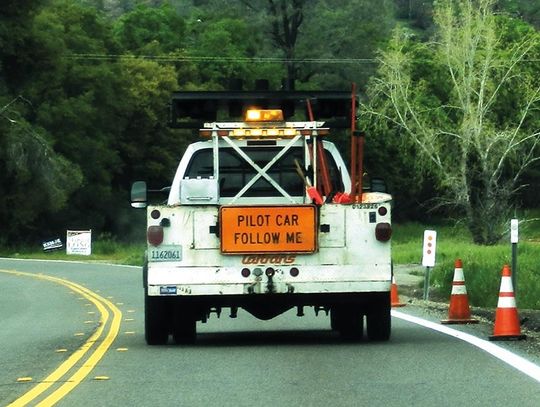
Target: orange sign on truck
[268, 229]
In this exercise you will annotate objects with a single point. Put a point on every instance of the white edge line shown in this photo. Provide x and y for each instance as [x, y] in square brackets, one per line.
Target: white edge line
[71, 261]
[523, 365]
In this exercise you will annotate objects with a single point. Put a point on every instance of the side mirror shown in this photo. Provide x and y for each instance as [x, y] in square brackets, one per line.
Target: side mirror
[138, 194]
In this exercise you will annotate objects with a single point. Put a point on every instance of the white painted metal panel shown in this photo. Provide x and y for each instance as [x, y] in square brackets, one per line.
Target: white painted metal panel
[203, 220]
[332, 217]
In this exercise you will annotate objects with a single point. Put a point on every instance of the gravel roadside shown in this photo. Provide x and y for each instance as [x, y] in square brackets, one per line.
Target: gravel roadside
[410, 280]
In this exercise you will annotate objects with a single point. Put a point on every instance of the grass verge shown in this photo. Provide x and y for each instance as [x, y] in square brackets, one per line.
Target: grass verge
[482, 265]
[106, 251]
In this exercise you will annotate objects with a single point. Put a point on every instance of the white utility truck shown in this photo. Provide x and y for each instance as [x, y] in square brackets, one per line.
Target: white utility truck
[262, 215]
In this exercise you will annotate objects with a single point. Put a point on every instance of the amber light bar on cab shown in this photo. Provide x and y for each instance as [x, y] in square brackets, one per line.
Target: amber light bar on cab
[262, 123]
[261, 133]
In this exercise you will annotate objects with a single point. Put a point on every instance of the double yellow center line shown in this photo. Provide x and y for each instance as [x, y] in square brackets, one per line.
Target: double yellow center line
[94, 348]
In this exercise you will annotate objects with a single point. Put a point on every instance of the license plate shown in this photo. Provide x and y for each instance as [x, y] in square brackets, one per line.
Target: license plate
[165, 253]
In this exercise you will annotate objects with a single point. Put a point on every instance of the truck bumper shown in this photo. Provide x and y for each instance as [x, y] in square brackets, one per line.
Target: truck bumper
[209, 281]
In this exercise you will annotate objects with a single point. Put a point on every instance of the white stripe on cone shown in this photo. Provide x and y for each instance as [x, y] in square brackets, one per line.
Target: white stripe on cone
[458, 285]
[506, 285]
[459, 290]
[458, 275]
[506, 302]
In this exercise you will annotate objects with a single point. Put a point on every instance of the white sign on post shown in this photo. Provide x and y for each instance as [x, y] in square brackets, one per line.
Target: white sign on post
[428, 252]
[514, 226]
[79, 242]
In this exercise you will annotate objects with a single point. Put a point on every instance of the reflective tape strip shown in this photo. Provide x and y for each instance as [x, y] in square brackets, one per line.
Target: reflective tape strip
[506, 302]
[458, 275]
[506, 285]
[459, 289]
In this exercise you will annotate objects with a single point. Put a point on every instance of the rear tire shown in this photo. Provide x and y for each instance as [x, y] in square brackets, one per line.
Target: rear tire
[348, 322]
[184, 325]
[378, 318]
[156, 327]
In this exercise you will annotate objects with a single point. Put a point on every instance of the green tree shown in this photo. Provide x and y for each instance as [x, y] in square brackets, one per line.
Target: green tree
[35, 180]
[358, 28]
[325, 43]
[466, 101]
[72, 99]
[148, 149]
[106, 114]
[282, 21]
[150, 30]
[525, 9]
[419, 13]
[17, 44]
[225, 49]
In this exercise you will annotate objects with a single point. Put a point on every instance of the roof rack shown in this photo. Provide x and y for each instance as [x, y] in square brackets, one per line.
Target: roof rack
[192, 109]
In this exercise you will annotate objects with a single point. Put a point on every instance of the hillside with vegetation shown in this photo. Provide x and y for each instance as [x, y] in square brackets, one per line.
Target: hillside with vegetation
[85, 86]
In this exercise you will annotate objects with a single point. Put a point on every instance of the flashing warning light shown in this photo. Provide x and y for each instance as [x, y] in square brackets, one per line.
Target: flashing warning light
[266, 115]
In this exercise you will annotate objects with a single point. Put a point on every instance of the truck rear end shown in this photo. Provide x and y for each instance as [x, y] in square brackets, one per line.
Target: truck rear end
[249, 225]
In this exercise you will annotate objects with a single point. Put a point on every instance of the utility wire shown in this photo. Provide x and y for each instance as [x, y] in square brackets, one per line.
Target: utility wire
[183, 58]
[180, 58]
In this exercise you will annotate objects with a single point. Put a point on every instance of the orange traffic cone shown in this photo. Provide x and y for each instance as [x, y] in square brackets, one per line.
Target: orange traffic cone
[459, 311]
[394, 297]
[506, 317]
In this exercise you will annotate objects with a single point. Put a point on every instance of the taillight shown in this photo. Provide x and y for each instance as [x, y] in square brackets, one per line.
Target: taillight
[154, 235]
[383, 232]
[382, 210]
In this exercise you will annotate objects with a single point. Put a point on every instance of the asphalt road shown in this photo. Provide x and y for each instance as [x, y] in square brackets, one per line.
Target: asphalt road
[52, 312]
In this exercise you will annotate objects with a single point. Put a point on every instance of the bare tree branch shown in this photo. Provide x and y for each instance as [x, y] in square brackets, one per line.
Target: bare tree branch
[479, 149]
